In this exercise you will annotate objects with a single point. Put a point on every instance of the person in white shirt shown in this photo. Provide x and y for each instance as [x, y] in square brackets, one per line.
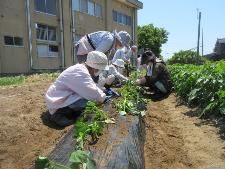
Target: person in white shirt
[127, 54]
[102, 41]
[111, 75]
[74, 88]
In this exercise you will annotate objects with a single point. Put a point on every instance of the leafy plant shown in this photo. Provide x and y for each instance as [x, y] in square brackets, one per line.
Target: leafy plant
[203, 86]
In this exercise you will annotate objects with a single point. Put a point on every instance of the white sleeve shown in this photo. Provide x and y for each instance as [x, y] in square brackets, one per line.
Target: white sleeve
[81, 83]
[117, 74]
[118, 55]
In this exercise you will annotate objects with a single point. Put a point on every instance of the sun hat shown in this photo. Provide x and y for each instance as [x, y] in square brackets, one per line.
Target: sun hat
[97, 60]
[119, 63]
[123, 37]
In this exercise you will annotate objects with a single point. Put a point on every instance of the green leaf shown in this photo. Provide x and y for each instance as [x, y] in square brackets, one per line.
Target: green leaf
[43, 163]
[91, 164]
[110, 121]
[143, 113]
[122, 113]
[78, 156]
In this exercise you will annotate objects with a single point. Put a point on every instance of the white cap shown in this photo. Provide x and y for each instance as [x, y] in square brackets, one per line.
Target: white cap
[119, 63]
[125, 38]
[97, 60]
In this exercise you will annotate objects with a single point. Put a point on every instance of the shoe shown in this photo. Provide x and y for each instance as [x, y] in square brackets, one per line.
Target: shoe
[61, 120]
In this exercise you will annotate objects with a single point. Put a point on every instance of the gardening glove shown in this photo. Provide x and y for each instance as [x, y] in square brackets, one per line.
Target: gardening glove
[107, 99]
[110, 79]
[110, 92]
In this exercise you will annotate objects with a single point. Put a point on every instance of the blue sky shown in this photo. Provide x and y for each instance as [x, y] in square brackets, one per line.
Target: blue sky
[179, 18]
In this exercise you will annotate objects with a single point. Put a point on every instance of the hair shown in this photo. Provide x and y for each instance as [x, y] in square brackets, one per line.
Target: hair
[148, 56]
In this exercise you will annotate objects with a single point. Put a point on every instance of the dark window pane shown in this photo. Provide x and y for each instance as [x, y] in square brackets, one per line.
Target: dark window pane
[42, 32]
[98, 10]
[124, 19]
[8, 40]
[51, 33]
[119, 17]
[18, 41]
[40, 5]
[51, 7]
[84, 6]
[129, 20]
[53, 48]
[114, 16]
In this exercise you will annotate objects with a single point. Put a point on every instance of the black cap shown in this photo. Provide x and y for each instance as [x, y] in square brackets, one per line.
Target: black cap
[147, 56]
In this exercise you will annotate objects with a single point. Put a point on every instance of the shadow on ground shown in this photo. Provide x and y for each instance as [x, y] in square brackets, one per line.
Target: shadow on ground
[45, 117]
[216, 120]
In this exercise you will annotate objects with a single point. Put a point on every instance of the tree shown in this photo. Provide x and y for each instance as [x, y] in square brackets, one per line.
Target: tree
[152, 37]
[186, 57]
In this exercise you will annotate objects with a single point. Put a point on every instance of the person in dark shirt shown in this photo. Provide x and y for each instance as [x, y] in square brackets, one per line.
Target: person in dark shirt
[157, 77]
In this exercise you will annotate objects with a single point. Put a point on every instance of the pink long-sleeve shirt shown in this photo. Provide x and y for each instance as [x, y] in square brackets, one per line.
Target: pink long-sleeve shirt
[73, 84]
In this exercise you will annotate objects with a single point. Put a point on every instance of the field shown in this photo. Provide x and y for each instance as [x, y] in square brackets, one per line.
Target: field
[175, 137]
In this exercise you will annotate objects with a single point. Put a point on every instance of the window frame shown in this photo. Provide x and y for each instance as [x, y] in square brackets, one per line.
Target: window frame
[47, 27]
[121, 18]
[56, 8]
[48, 51]
[13, 45]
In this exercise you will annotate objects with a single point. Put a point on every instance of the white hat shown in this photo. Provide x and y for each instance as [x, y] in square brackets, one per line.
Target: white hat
[119, 63]
[97, 60]
[125, 38]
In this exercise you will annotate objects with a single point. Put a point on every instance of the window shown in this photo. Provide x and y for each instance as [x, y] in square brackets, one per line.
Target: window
[13, 41]
[121, 18]
[84, 6]
[46, 6]
[87, 6]
[45, 50]
[45, 32]
[91, 8]
[114, 16]
[98, 10]
[76, 5]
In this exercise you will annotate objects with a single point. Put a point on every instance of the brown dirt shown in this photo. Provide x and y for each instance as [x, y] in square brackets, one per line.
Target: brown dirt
[175, 139]
[23, 136]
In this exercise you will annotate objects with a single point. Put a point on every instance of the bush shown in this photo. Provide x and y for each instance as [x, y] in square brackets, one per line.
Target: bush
[186, 57]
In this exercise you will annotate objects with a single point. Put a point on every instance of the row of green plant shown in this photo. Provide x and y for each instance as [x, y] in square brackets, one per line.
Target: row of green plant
[132, 100]
[203, 86]
[16, 80]
[91, 124]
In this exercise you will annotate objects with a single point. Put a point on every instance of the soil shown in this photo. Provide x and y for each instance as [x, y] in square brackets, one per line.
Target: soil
[177, 139]
[23, 136]
[174, 137]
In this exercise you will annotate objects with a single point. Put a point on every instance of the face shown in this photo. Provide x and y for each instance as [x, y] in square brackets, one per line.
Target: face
[118, 44]
[97, 72]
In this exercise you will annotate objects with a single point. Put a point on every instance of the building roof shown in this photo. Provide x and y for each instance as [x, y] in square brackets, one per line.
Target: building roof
[137, 3]
[134, 3]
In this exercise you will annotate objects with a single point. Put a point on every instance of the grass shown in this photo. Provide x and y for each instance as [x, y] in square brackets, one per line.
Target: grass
[4, 81]
[17, 80]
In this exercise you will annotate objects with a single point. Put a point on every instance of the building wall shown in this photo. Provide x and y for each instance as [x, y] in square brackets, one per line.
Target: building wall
[13, 23]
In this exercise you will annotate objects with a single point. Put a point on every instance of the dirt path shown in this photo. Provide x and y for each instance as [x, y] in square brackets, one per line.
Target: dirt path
[23, 136]
[175, 140]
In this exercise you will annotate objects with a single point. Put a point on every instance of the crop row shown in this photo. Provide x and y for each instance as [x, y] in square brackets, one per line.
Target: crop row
[203, 86]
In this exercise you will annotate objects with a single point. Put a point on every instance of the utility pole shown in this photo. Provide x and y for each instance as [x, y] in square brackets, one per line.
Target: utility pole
[199, 24]
[202, 42]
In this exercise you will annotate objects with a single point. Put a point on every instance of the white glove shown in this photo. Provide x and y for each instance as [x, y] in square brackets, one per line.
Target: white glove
[110, 79]
[140, 81]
